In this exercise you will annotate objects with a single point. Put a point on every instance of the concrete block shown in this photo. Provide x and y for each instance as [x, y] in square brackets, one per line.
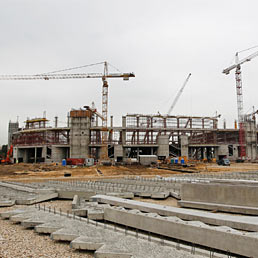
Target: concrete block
[69, 194]
[95, 214]
[160, 195]
[75, 202]
[80, 212]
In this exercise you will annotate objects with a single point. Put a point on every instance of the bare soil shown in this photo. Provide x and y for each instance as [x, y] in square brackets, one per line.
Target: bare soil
[35, 172]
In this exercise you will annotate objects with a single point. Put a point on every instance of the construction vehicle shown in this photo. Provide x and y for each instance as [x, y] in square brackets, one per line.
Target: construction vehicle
[56, 75]
[240, 112]
[9, 155]
[178, 94]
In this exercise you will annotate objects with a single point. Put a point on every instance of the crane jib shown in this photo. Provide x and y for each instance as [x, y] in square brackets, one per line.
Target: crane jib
[65, 76]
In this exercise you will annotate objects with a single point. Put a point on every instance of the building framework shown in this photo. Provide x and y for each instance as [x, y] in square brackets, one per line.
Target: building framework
[194, 137]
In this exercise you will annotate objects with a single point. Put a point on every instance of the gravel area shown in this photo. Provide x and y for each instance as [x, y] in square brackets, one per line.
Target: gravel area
[15, 241]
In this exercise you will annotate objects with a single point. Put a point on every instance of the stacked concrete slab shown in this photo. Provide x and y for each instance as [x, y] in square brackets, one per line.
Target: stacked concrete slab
[83, 234]
[246, 223]
[11, 193]
[186, 225]
[126, 188]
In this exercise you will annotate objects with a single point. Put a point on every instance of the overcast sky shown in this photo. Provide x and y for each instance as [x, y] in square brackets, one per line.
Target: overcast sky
[160, 41]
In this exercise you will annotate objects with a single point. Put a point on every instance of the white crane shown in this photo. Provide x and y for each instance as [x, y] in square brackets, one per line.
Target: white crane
[238, 77]
[178, 95]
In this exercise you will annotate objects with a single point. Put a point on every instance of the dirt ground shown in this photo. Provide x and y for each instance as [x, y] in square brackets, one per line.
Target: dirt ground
[32, 172]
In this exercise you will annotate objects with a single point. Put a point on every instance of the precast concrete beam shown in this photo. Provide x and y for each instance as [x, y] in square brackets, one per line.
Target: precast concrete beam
[220, 238]
[248, 223]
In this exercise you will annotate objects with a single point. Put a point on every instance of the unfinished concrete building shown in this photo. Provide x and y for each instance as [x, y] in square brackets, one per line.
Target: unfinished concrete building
[165, 136]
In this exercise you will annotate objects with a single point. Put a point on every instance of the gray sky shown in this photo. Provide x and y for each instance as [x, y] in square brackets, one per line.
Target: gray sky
[160, 41]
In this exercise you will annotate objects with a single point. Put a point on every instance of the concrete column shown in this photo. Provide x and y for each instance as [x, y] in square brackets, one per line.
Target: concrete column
[216, 156]
[124, 136]
[35, 155]
[184, 145]
[251, 140]
[163, 143]
[80, 137]
[118, 151]
[44, 152]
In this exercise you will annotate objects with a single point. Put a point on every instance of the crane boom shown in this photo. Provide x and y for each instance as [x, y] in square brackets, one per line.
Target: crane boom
[178, 94]
[66, 76]
[249, 58]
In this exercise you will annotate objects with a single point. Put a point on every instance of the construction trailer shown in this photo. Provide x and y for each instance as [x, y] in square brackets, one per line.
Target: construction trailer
[194, 137]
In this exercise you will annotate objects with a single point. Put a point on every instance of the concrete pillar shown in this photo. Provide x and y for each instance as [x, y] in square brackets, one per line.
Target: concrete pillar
[251, 140]
[163, 145]
[216, 156]
[44, 152]
[58, 153]
[35, 155]
[80, 136]
[223, 150]
[184, 145]
[56, 121]
[12, 128]
[118, 151]
[124, 135]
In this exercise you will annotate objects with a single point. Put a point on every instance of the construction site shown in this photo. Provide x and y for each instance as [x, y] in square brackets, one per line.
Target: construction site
[157, 185]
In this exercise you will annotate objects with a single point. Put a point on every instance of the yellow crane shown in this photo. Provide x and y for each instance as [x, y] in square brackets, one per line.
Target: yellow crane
[56, 75]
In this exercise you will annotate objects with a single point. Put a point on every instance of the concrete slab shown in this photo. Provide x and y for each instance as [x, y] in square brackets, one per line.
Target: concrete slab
[7, 203]
[235, 195]
[86, 243]
[8, 214]
[160, 195]
[248, 223]
[220, 207]
[220, 238]
[116, 242]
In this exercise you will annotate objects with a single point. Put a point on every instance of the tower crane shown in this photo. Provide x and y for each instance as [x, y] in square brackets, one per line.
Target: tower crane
[104, 76]
[178, 94]
[239, 92]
